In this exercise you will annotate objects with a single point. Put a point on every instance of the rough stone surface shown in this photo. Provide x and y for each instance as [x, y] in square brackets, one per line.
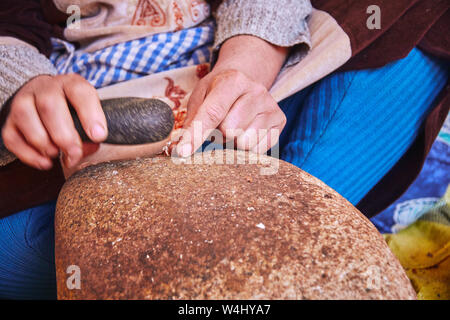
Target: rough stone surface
[154, 229]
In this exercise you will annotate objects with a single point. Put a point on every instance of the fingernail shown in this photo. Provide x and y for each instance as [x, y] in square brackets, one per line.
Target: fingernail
[45, 164]
[98, 132]
[184, 150]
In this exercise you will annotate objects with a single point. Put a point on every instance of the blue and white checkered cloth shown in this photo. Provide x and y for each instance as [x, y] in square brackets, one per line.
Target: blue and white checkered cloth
[136, 58]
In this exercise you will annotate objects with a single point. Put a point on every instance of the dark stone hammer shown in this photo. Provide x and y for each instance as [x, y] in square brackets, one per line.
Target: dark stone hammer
[132, 120]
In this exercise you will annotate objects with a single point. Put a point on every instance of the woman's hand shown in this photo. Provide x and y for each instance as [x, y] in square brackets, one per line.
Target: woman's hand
[39, 123]
[234, 98]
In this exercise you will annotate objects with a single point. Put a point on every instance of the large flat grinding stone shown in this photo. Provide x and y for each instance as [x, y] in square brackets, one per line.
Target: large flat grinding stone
[154, 229]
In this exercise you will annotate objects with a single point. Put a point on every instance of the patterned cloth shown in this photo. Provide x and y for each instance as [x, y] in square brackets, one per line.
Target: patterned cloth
[136, 58]
[104, 23]
[423, 249]
[425, 192]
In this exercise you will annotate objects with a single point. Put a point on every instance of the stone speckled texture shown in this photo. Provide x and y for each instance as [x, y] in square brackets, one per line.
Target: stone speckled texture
[154, 229]
[133, 120]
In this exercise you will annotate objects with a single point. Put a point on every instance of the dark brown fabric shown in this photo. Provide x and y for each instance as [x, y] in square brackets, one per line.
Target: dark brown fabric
[404, 23]
[24, 20]
[52, 14]
[402, 37]
[395, 183]
[352, 17]
[437, 39]
[22, 187]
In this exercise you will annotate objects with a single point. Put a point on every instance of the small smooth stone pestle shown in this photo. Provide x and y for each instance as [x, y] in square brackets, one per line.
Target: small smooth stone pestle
[132, 120]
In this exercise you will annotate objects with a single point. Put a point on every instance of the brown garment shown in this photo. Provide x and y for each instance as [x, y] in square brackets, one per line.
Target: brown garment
[24, 20]
[23, 187]
[405, 25]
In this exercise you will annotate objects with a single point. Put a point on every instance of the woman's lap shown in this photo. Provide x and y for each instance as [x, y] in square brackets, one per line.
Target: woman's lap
[348, 130]
[351, 128]
[27, 269]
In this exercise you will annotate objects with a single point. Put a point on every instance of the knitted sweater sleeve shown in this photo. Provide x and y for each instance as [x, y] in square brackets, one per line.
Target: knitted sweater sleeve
[282, 23]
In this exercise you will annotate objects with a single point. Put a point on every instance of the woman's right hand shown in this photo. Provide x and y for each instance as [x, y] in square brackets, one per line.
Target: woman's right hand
[39, 123]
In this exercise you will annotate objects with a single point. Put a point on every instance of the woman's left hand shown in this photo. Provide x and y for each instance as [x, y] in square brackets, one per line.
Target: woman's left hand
[234, 98]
